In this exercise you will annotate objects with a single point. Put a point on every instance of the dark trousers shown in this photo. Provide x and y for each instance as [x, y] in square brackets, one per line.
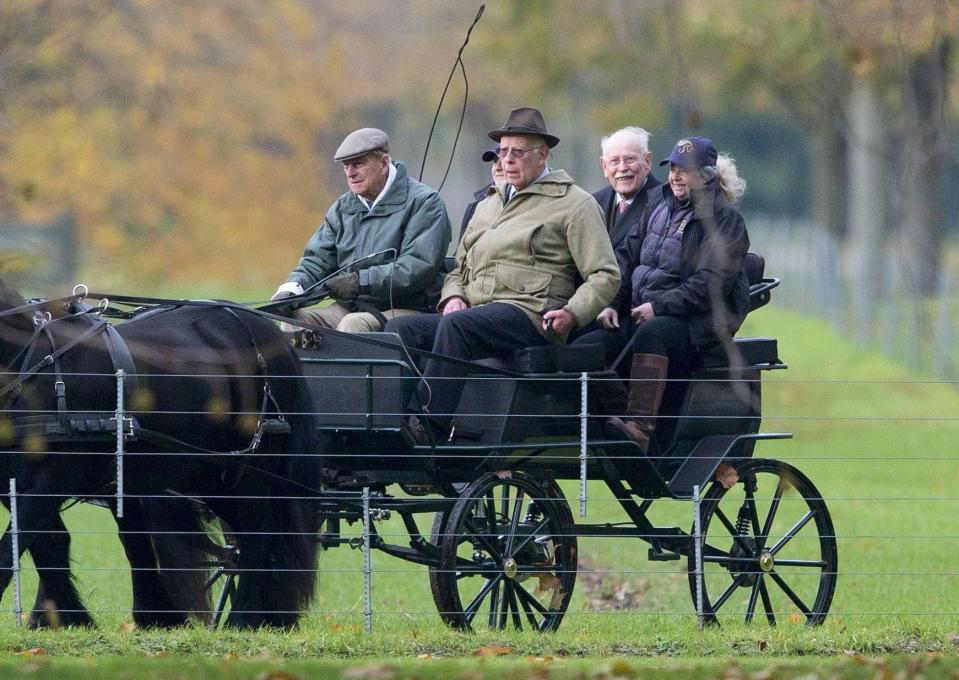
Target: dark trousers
[666, 336]
[496, 329]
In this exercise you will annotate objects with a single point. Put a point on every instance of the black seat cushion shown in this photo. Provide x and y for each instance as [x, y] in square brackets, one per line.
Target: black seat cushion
[754, 265]
[560, 359]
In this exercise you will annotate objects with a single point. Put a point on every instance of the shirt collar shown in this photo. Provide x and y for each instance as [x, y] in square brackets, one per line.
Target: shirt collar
[391, 175]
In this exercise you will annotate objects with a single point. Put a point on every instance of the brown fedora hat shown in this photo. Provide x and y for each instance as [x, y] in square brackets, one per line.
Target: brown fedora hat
[525, 121]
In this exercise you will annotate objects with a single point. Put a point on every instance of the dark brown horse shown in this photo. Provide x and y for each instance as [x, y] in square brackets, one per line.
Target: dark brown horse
[220, 425]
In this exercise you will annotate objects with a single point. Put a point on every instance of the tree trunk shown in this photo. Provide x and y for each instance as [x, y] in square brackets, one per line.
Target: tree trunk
[924, 153]
[866, 201]
[828, 172]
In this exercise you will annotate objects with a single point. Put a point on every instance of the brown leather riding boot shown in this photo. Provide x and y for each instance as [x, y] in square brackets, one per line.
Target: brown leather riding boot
[647, 382]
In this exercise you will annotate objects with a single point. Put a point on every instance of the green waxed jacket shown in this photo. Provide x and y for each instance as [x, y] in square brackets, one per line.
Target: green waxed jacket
[411, 218]
[546, 248]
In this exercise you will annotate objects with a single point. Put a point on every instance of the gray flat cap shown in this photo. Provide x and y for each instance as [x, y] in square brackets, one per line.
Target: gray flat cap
[360, 142]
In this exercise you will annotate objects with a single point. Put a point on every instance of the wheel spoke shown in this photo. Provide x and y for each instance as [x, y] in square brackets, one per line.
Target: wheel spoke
[817, 564]
[513, 606]
[773, 507]
[725, 520]
[473, 607]
[726, 593]
[487, 542]
[732, 530]
[533, 534]
[529, 600]
[753, 513]
[491, 516]
[767, 602]
[790, 594]
[797, 527]
[514, 522]
[751, 606]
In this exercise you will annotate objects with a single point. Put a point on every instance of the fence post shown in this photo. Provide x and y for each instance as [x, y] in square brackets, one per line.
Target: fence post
[367, 565]
[119, 417]
[583, 425]
[698, 553]
[15, 550]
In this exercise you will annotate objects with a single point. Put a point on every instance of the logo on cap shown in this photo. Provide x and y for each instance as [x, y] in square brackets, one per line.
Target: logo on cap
[684, 146]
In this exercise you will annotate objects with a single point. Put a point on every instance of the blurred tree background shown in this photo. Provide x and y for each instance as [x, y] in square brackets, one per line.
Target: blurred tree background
[190, 143]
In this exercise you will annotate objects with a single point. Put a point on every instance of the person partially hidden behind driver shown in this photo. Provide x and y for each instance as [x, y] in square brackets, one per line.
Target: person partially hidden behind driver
[535, 263]
[384, 210]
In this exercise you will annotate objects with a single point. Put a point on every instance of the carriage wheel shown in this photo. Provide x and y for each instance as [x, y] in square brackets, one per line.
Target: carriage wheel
[507, 555]
[768, 543]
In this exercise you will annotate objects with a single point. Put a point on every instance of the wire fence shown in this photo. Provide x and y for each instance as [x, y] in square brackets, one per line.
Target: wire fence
[489, 531]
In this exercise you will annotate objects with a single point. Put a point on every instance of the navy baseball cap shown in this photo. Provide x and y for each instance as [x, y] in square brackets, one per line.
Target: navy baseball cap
[489, 155]
[691, 153]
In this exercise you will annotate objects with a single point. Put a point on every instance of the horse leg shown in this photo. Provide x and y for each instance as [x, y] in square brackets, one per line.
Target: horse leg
[35, 513]
[152, 605]
[58, 603]
[250, 601]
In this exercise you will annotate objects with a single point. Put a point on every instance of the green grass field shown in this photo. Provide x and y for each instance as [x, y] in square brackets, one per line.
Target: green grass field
[878, 443]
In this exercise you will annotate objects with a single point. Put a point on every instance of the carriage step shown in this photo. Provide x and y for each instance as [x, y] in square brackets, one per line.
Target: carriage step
[658, 555]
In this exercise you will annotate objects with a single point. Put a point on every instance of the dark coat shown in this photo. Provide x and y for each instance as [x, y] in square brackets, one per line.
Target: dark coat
[712, 291]
[471, 208]
[618, 225]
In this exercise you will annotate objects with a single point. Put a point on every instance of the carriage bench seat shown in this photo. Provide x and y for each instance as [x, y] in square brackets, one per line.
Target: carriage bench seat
[560, 359]
[748, 352]
[546, 359]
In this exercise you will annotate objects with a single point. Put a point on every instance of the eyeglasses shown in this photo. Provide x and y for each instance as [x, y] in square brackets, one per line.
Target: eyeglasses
[625, 160]
[515, 152]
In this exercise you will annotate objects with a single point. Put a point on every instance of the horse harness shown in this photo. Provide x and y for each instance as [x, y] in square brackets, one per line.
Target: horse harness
[67, 427]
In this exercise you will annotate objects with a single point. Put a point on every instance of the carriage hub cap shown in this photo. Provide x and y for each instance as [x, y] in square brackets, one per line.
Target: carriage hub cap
[766, 561]
[510, 568]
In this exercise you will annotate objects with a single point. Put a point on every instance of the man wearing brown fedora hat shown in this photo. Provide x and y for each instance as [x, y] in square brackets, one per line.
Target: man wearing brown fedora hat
[380, 249]
[534, 263]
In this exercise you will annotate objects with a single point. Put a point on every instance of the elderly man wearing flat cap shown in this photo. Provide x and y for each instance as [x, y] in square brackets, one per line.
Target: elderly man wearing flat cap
[384, 210]
[534, 263]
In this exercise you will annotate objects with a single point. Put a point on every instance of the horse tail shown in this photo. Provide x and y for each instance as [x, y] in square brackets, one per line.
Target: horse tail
[295, 553]
[182, 535]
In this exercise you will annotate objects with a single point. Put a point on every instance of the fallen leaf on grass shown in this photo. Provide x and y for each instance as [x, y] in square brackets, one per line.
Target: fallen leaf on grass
[370, 672]
[33, 651]
[796, 617]
[128, 627]
[493, 650]
[621, 669]
[424, 656]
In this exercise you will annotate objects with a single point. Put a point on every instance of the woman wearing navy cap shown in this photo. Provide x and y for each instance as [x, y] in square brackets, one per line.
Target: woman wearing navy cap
[683, 287]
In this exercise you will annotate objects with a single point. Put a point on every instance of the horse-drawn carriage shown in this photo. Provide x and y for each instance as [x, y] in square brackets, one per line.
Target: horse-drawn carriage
[484, 512]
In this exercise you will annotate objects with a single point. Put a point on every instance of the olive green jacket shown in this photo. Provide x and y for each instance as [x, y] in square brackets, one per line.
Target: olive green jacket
[544, 249]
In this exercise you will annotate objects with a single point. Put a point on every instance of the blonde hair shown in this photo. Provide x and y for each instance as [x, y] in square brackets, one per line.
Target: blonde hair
[730, 183]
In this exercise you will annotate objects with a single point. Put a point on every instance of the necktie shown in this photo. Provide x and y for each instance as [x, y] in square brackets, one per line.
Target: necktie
[622, 207]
